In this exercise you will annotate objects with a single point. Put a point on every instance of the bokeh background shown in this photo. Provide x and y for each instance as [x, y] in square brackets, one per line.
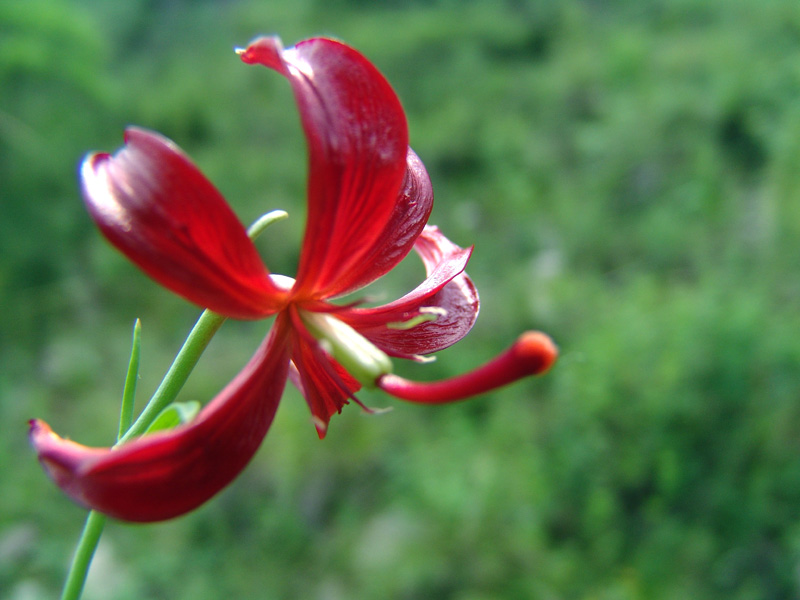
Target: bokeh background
[628, 173]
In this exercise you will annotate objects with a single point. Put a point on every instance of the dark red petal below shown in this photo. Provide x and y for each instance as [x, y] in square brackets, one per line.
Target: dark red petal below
[155, 206]
[358, 142]
[446, 288]
[167, 474]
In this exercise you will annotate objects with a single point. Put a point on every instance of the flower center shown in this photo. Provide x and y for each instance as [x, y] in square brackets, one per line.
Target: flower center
[362, 359]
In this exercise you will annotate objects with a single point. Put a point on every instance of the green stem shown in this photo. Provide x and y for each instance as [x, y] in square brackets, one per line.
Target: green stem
[84, 552]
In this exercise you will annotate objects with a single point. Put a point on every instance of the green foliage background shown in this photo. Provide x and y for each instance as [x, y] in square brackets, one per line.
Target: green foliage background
[627, 171]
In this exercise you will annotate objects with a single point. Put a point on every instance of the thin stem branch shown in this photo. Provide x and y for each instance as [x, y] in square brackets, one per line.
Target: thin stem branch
[84, 552]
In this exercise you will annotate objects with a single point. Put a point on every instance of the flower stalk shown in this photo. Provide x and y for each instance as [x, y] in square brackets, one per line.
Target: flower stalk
[84, 553]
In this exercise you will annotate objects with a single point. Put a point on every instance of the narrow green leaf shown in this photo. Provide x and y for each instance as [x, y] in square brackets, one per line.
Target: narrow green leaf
[129, 391]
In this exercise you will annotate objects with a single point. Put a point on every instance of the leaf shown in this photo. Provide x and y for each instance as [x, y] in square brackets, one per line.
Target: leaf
[175, 414]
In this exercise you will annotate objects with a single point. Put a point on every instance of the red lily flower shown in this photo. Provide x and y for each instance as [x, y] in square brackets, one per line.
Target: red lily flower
[369, 198]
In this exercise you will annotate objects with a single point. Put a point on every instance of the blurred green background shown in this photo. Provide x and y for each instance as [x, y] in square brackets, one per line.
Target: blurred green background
[627, 171]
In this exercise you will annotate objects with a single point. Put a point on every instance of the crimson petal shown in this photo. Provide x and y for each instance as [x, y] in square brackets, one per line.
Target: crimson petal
[411, 212]
[358, 143]
[155, 206]
[166, 474]
[447, 293]
[533, 353]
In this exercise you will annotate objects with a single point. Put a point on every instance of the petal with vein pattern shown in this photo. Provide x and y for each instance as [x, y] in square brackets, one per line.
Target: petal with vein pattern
[155, 206]
[357, 142]
[447, 294]
[169, 473]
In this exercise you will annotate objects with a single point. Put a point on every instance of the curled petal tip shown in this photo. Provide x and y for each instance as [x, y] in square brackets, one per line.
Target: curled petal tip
[89, 164]
[536, 351]
[60, 458]
[38, 431]
[264, 51]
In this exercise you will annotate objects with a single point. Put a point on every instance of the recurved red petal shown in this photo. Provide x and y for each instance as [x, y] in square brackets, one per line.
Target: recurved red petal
[444, 306]
[155, 206]
[358, 143]
[411, 212]
[533, 353]
[166, 474]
